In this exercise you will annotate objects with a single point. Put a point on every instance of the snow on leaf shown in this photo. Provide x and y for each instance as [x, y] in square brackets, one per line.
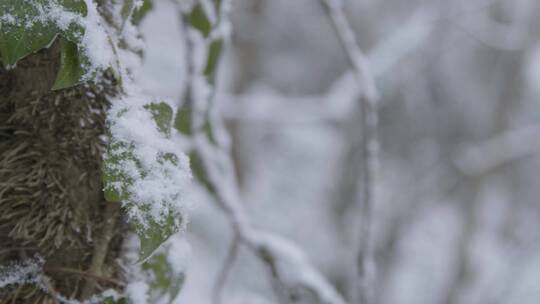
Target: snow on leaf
[154, 232]
[27, 26]
[116, 180]
[141, 12]
[162, 114]
[144, 169]
[111, 300]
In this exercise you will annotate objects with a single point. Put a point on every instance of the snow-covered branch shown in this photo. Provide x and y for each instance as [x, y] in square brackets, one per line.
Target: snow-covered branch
[506, 147]
[287, 264]
[370, 145]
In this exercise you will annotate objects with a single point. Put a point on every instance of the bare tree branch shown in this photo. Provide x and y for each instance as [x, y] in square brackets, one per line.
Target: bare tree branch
[508, 146]
[224, 273]
[287, 263]
[368, 107]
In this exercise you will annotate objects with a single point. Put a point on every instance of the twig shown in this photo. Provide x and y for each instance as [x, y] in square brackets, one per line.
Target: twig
[101, 247]
[84, 274]
[493, 153]
[224, 273]
[50, 289]
[277, 285]
[368, 107]
[220, 172]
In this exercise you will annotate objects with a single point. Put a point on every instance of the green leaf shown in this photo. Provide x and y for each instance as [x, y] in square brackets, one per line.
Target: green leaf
[209, 130]
[124, 175]
[214, 53]
[116, 181]
[198, 19]
[182, 121]
[217, 3]
[152, 233]
[140, 13]
[111, 300]
[24, 29]
[127, 10]
[70, 72]
[200, 174]
[168, 157]
[162, 114]
[166, 282]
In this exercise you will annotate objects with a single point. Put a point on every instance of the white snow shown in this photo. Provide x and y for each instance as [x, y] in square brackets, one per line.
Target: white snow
[96, 43]
[18, 273]
[180, 253]
[295, 269]
[159, 186]
[138, 292]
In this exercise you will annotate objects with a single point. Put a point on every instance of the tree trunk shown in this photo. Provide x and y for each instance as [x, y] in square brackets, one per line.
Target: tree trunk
[51, 200]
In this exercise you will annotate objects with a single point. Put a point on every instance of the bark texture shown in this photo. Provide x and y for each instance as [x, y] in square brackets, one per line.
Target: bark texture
[51, 200]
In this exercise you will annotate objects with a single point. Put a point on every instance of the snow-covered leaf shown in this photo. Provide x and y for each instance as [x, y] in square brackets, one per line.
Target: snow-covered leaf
[144, 170]
[111, 300]
[27, 26]
[154, 232]
[127, 10]
[141, 12]
[116, 181]
[162, 114]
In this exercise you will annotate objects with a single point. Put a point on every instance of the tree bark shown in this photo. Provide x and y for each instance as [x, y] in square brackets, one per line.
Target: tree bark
[51, 199]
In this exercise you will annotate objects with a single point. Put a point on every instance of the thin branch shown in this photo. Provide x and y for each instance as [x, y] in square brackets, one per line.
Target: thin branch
[280, 290]
[368, 107]
[217, 164]
[84, 274]
[271, 249]
[493, 153]
[101, 247]
[224, 273]
[50, 289]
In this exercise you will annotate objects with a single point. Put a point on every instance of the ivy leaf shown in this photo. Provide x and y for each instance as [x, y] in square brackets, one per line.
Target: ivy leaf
[198, 19]
[166, 282]
[214, 53]
[153, 233]
[182, 121]
[200, 174]
[162, 114]
[217, 3]
[128, 176]
[127, 10]
[70, 72]
[28, 26]
[140, 13]
[111, 300]
[115, 180]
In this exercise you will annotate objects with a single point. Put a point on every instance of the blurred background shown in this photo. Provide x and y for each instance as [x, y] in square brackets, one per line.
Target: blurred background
[457, 214]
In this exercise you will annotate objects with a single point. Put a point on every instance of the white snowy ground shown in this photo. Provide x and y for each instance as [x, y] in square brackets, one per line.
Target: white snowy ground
[291, 167]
